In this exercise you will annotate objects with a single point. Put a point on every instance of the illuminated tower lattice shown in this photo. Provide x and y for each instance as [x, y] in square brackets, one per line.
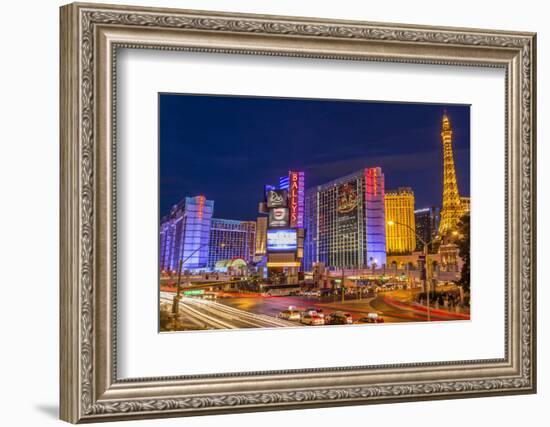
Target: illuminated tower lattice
[452, 207]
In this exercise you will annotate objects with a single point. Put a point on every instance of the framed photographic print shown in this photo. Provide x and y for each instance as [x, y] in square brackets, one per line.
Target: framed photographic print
[351, 233]
[265, 213]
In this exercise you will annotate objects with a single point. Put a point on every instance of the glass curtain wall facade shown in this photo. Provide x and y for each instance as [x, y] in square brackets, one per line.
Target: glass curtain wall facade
[344, 221]
[230, 239]
[185, 234]
[426, 226]
[171, 232]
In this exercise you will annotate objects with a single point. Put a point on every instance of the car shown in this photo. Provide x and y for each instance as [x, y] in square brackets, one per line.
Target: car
[339, 318]
[371, 318]
[314, 310]
[364, 320]
[312, 319]
[290, 315]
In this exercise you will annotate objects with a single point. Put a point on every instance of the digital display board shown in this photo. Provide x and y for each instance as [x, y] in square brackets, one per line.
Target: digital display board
[278, 217]
[282, 240]
[347, 209]
[276, 198]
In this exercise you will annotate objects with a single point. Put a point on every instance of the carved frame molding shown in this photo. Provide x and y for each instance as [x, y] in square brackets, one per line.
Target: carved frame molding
[90, 37]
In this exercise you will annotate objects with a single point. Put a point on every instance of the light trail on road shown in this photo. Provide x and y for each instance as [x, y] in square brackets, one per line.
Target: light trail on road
[219, 316]
[242, 312]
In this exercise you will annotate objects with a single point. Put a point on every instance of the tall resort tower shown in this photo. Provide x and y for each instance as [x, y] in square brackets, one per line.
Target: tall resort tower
[452, 207]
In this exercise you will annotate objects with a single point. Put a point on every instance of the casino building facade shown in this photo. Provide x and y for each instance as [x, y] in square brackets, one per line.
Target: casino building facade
[283, 228]
[185, 234]
[345, 222]
[189, 233]
[400, 221]
[231, 239]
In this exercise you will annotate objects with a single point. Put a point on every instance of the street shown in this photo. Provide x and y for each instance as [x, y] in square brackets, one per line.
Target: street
[254, 311]
[206, 314]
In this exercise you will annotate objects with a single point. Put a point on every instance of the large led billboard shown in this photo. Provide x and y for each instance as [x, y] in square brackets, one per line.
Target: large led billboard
[282, 240]
[278, 217]
[347, 218]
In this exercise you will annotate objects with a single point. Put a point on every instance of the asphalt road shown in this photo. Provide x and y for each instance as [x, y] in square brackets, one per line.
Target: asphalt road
[208, 314]
[262, 312]
[358, 308]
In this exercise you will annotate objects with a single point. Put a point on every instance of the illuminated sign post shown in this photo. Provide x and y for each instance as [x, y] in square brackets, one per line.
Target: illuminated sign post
[281, 240]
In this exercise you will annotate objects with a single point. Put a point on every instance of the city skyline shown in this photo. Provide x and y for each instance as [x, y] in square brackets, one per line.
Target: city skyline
[325, 138]
[333, 187]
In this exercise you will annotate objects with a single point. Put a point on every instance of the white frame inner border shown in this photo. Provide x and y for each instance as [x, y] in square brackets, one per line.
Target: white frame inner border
[143, 352]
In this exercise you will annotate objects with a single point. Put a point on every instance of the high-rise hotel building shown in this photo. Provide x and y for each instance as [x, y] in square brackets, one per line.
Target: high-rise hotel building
[426, 223]
[190, 234]
[400, 224]
[230, 239]
[185, 234]
[345, 222]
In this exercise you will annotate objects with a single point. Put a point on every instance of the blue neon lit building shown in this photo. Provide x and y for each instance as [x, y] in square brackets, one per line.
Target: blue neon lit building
[185, 234]
[189, 233]
[345, 222]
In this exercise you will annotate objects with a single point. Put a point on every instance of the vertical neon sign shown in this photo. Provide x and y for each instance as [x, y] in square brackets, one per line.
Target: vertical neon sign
[296, 198]
[201, 200]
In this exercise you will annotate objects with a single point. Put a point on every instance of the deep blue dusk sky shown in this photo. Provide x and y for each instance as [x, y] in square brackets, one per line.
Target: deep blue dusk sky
[227, 148]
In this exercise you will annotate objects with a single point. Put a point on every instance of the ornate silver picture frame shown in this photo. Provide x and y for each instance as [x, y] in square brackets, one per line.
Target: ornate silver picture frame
[91, 390]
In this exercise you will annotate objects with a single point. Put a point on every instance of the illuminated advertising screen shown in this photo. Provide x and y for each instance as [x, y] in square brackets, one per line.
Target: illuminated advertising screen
[282, 240]
[278, 217]
[347, 208]
[276, 198]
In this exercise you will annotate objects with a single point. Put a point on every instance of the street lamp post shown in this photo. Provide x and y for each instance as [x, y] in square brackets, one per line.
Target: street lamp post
[427, 278]
[177, 298]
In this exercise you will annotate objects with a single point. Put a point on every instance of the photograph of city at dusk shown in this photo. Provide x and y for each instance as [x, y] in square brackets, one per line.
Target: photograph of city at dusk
[290, 212]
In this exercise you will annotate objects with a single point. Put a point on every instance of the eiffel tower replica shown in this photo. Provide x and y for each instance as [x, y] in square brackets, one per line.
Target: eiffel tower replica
[451, 210]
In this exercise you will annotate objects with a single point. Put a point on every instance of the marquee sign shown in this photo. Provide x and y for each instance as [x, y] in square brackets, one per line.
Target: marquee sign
[282, 240]
[296, 198]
